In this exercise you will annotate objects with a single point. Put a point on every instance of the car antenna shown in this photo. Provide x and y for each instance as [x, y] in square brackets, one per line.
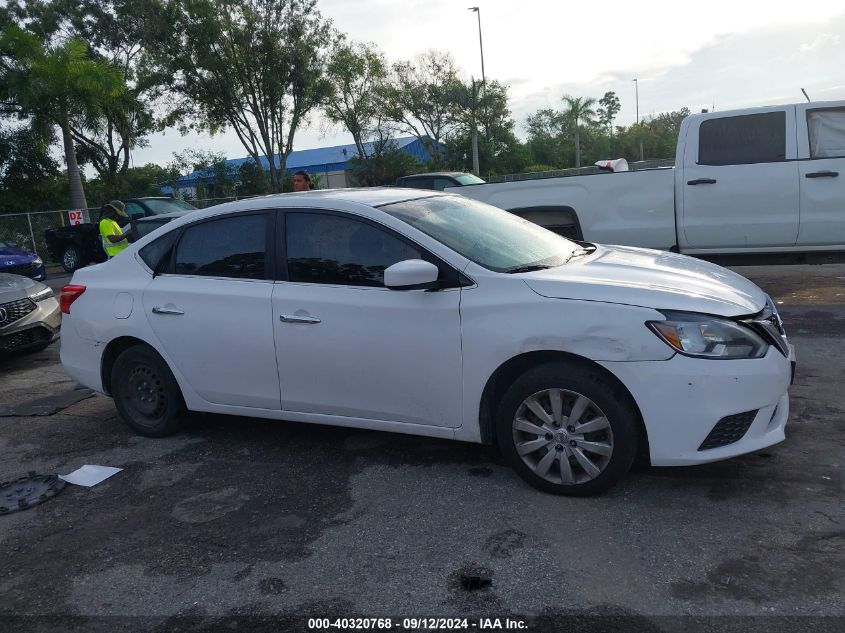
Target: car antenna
[805, 94]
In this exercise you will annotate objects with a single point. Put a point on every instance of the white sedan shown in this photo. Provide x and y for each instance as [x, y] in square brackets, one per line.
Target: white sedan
[436, 315]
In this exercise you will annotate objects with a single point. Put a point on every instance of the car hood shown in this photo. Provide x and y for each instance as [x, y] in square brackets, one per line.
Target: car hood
[14, 287]
[12, 255]
[649, 278]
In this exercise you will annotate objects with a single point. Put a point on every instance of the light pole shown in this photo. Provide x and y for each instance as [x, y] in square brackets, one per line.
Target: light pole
[637, 93]
[475, 166]
[480, 43]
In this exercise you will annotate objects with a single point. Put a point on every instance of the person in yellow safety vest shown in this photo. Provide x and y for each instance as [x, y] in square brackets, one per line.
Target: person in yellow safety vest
[113, 238]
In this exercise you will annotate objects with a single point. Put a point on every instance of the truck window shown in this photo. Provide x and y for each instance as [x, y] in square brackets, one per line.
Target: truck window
[738, 140]
[826, 128]
[134, 210]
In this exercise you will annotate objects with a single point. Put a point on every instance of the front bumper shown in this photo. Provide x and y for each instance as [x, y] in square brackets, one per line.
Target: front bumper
[682, 399]
[38, 328]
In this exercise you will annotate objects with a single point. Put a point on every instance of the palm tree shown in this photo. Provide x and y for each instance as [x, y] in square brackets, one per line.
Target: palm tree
[579, 109]
[55, 86]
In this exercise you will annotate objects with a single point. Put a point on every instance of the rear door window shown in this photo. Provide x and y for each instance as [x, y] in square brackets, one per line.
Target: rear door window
[232, 246]
[826, 128]
[738, 140]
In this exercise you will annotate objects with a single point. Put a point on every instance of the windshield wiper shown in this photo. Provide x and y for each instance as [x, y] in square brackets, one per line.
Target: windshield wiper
[527, 268]
[577, 253]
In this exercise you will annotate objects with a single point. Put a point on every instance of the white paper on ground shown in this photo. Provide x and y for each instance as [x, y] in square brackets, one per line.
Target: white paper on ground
[90, 475]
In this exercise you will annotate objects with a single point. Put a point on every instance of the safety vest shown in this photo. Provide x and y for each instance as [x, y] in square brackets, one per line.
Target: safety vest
[110, 227]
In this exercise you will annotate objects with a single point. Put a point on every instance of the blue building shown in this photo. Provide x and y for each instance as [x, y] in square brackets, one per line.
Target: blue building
[331, 164]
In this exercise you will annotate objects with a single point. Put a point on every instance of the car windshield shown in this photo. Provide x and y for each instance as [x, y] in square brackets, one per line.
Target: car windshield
[159, 206]
[469, 179]
[489, 236]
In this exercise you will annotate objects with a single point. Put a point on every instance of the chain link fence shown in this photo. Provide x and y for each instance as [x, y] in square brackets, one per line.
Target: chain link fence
[26, 230]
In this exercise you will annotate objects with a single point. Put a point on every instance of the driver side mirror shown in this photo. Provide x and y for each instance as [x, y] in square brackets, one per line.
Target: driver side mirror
[411, 274]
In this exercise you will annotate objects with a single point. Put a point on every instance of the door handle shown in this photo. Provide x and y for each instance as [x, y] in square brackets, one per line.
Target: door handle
[702, 181]
[822, 174]
[295, 318]
[166, 310]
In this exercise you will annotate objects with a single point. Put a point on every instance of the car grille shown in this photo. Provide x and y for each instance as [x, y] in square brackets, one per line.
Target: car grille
[768, 324]
[27, 270]
[26, 338]
[14, 310]
[729, 430]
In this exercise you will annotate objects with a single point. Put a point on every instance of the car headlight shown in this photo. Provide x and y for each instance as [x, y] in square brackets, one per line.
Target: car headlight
[704, 336]
[37, 261]
[44, 293]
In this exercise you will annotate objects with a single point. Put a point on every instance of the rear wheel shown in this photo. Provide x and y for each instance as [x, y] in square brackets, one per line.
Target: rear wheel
[567, 430]
[146, 394]
[71, 258]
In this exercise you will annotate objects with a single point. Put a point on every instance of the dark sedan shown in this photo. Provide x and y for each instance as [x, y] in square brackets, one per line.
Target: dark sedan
[19, 261]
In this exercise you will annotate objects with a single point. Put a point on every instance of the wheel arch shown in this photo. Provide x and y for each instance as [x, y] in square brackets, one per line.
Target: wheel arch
[510, 370]
[114, 349]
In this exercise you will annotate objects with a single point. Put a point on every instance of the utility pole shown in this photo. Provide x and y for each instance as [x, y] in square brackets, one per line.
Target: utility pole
[475, 165]
[637, 93]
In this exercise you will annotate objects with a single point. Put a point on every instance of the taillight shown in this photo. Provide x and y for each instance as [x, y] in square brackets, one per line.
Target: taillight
[69, 295]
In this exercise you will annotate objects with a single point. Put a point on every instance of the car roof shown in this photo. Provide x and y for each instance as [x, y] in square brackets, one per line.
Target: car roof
[369, 196]
[167, 216]
[453, 174]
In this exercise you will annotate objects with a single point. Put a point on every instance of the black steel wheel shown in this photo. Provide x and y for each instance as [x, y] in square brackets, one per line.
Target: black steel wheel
[146, 394]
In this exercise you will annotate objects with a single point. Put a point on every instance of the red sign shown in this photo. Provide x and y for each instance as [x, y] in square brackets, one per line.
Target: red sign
[76, 217]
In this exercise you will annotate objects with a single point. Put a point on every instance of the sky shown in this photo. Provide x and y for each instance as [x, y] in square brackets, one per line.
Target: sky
[722, 54]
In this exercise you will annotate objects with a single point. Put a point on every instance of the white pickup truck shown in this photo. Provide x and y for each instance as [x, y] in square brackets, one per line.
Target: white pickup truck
[762, 180]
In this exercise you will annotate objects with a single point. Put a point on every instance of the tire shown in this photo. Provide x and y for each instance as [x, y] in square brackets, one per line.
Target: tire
[146, 394]
[609, 444]
[71, 258]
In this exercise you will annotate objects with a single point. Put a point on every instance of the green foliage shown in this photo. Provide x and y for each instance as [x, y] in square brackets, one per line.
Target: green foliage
[55, 86]
[551, 134]
[253, 180]
[113, 33]
[484, 108]
[383, 166]
[420, 99]
[356, 75]
[256, 66]
[29, 177]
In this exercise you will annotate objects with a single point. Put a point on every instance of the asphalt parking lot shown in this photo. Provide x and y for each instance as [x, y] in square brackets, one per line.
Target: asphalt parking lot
[274, 522]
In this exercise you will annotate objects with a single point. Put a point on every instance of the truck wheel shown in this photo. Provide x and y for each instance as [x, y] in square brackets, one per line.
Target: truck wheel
[146, 394]
[71, 258]
[566, 430]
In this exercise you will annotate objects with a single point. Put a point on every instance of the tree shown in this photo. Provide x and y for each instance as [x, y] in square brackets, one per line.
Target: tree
[546, 130]
[29, 177]
[420, 98]
[114, 32]
[54, 86]
[610, 107]
[356, 74]
[579, 109]
[499, 151]
[256, 66]
[385, 163]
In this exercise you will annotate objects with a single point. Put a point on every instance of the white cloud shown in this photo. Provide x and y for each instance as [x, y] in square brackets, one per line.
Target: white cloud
[825, 40]
[733, 53]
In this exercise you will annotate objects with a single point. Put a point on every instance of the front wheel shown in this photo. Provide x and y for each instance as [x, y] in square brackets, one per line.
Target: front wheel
[567, 430]
[71, 258]
[146, 394]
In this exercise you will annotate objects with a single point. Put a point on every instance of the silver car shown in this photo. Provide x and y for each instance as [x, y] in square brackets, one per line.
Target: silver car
[29, 315]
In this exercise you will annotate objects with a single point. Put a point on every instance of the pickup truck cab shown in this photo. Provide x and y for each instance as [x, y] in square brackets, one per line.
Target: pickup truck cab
[79, 245]
[762, 180]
